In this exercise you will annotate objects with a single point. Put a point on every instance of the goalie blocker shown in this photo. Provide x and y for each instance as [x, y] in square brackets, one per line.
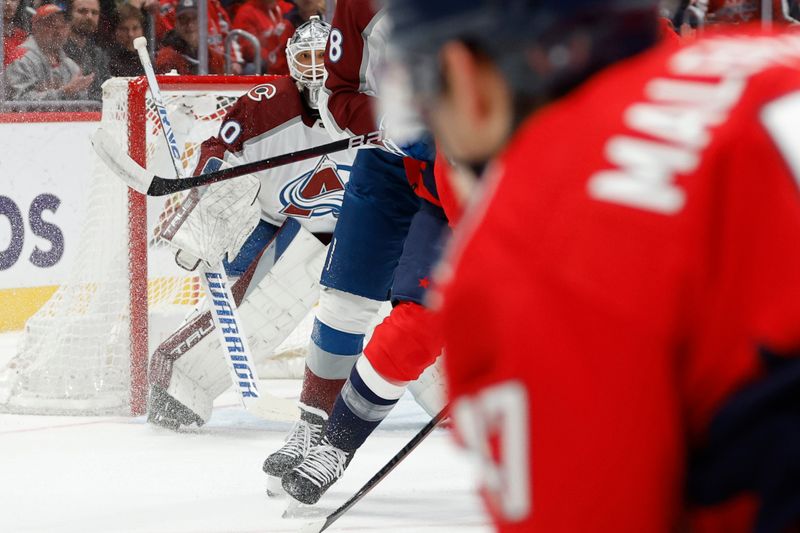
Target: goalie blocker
[273, 295]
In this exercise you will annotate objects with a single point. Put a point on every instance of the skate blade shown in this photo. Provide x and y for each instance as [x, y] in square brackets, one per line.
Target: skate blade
[274, 487]
[296, 509]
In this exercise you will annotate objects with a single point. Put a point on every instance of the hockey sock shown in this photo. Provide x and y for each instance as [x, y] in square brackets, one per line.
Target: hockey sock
[320, 393]
[366, 399]
[337, 341]
[332, 355]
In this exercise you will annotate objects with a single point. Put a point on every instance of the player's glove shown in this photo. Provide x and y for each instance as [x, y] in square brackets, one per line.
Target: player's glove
[406, 136]
[422, 149]
[219, 224]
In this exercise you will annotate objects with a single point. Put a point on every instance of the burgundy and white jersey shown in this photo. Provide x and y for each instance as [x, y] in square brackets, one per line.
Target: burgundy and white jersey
[353, 57]
[270, 120]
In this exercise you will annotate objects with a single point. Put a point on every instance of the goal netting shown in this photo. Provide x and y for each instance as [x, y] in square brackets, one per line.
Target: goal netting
[86, 350]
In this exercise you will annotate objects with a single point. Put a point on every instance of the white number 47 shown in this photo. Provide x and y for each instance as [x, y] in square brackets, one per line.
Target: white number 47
[500, 415]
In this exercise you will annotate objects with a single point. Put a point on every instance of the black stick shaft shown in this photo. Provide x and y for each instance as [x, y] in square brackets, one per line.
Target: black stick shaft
[383, 472]
[162, 186]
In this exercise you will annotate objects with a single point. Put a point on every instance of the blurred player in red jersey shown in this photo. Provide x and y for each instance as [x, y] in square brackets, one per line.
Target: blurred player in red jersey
[621, 305]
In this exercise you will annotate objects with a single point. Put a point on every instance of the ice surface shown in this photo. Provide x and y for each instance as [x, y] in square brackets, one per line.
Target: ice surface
[109, 474]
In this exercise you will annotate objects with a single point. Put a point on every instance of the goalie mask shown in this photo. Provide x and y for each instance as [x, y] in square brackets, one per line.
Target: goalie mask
[304, 54]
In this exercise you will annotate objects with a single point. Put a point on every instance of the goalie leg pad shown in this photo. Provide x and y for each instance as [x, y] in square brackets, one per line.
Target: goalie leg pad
[283, 289]
[429, 390]
[199, 377]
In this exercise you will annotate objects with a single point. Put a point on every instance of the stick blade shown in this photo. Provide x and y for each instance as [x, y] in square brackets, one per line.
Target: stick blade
[120, 162]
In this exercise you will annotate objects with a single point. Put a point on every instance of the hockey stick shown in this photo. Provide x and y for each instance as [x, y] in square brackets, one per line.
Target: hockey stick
[223, 307]
[324, 523]
[147, 183]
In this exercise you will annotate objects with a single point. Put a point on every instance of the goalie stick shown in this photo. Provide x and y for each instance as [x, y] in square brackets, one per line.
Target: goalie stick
[147, 183]
[227, 322]
[324, 523]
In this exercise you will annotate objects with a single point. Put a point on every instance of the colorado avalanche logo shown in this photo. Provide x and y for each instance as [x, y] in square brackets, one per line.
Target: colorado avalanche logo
[316, 193]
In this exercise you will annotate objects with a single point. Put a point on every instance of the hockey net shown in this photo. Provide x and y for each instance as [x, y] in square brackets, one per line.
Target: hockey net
[86, 350]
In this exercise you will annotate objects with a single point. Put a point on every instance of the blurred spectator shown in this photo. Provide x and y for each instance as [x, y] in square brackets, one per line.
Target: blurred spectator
[732, 11]
[266, 20]
[150, 7]
[150, 10]
[45, 72]
[232, 7]
[108, 18]
[179, 48]
[81, 47]
[741, 11]
[219, 25]
[123, 58]
[304, 10]
[13, 34]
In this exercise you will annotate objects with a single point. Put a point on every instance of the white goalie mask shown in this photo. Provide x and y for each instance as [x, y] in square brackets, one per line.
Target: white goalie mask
[302, 52]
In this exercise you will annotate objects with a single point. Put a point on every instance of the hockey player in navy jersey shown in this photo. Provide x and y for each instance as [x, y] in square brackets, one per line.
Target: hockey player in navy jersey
[389, 235]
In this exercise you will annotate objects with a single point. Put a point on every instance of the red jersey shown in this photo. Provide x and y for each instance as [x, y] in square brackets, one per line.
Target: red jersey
[11, 46]
[598, 310]
[271, 28]
[219, 24]
[174, 55]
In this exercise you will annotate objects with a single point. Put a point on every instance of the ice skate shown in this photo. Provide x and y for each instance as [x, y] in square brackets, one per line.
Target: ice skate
[322, 467]
[305, 434]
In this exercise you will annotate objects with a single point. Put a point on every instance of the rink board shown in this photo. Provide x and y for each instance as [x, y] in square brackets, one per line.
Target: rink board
[45, 171]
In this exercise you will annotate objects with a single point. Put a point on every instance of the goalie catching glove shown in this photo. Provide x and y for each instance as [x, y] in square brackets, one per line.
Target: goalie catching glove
[218, 224]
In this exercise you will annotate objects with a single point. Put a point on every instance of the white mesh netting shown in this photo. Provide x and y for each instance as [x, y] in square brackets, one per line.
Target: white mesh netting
[74, 356]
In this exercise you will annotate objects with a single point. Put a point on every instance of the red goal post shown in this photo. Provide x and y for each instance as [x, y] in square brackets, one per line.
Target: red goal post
[140, 145]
